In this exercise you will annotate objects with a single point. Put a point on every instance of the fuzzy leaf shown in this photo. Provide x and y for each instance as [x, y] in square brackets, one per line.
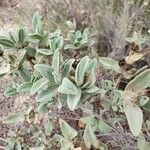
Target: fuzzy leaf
[134, 117]
[91, 65]
[36, 23]
[20, 59]
[4, 68]
[48, 93]
[90, 138]
[10, 91]
[73, 100]
[67, 130]
[44, 51]
[24, 87]
[67, 87]
[45, 71]
[89, 120]
[30, 51]
[36, 36]
[22, 35]
[38, 85]
[91, 89]
[67, 67]
[104, 127]
[24, 74]
[13, 118]
[6, 43]
[56, 61]
[71, 25]
[140, 82]
[48, 126]
[80, 70]
[109, 63]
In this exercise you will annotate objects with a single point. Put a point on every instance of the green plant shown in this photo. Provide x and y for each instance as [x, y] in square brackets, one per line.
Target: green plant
[37, 65]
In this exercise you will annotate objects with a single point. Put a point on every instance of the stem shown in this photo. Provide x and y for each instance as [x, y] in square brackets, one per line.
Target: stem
[3, 140]
[117, 82]
[2, 147]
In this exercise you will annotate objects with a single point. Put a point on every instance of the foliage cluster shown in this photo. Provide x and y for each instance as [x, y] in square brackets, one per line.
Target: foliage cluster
[39, 64]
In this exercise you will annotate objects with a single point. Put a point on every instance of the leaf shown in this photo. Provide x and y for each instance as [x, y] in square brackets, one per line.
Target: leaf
[91, 89]
[134, 117]
[104, 127]
[140, 82]
[10, 91]
[36, 36]
[48, 93]
[67, 130]
[6, 43]
[44, 106]
[71, 25]
[22, 35]
[56, 61]
[110, 64]
[137, 38]
[37, 148]
[133, 58]
[67, 87]
[142, 144]
[38, 85]
[73, 100]
[20, 59]
[48, 126]
[30, 51]
[24, 87]
[44, 51]
[90, 138]
[66, 144]
[14, 38]
[13, 118]
[80, 70]
[90, 120]
[24, 74]
[36, 23]
[69, 46]
[67, 67]
[91, 65]
[4, 68]
[45, 71]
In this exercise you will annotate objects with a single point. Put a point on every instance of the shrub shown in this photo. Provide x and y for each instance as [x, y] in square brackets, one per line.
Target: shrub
[39, 64]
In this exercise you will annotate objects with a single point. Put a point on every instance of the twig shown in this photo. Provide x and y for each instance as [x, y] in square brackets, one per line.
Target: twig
[3, 140]
[2, 147]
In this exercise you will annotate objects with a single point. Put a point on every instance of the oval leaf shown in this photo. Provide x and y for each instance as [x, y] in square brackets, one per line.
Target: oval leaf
[38, 85]
[90, 138]
[73, 100]
[134, 117]
[67, 130]
[140, 82]
[109, 63]
[67, 87]
[13, 118]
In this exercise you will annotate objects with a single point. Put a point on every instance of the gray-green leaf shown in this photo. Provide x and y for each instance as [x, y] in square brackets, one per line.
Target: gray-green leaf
[90, 138]
[67, 130]
[140, 82]
[80, 70]
[67, 87]
[13, 118]
[48, 126]
[38, 85]
[73, 100]
[134, 117]
[109, 63]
